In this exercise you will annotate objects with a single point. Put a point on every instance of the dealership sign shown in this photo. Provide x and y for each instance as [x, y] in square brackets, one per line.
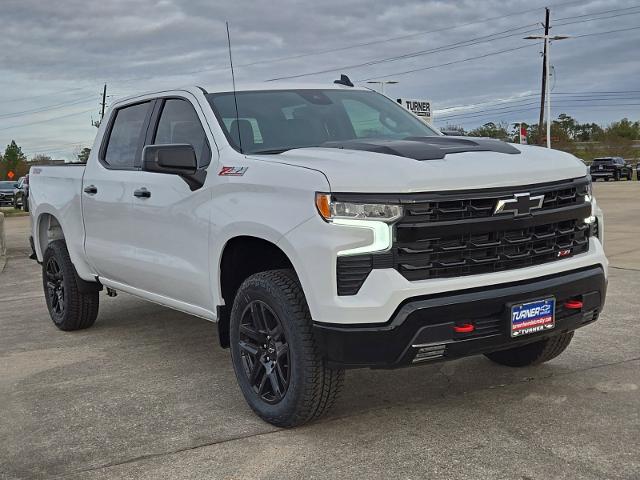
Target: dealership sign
[420, 108]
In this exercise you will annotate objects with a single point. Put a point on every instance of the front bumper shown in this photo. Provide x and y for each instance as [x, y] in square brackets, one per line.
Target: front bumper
[421, 329]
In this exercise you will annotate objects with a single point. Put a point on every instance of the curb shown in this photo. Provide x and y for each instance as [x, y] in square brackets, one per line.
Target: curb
[3, 244]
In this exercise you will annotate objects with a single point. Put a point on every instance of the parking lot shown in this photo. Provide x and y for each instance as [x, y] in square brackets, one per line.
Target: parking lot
[148, 393]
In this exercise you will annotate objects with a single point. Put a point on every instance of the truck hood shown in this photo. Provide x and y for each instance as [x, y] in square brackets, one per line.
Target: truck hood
[366, 171]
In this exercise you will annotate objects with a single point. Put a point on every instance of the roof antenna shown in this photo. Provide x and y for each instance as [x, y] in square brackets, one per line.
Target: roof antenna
[233, 79]
[344, 80]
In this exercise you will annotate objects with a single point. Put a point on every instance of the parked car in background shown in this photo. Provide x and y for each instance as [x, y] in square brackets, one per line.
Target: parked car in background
[638, 171]
[6, 192]
[611, 167]
[21, 194]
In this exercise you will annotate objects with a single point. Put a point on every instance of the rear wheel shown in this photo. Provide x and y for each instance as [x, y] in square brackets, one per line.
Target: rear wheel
[532, 353]
[69, 308]
[277, 362]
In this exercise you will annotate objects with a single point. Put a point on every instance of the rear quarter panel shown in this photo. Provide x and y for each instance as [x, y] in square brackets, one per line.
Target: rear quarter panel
[56, 191]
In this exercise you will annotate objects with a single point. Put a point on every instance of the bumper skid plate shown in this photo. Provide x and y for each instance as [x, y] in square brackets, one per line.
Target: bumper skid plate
[467, 322]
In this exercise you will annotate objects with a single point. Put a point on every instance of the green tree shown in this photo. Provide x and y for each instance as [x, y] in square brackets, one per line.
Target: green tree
[491, 130]
[83, 156]
[624, 129]
[12, 159]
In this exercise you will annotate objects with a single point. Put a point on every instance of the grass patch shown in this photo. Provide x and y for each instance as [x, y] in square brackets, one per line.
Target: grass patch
[13, 212]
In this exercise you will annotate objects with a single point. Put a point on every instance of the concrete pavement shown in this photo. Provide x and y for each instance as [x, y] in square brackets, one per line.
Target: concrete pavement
[147, 393]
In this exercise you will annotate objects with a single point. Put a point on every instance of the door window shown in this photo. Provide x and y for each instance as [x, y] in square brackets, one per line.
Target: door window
[127, 134]
[179, 123]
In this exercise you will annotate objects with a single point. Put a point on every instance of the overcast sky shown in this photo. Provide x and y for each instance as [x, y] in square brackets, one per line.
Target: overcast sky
[56, 55]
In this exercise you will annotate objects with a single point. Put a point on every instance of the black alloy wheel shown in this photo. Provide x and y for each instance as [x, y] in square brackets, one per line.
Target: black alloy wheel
[264, 352]
[55, 287]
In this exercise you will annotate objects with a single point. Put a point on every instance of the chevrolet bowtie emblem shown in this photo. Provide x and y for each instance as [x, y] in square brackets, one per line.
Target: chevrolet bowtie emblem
[520, 204]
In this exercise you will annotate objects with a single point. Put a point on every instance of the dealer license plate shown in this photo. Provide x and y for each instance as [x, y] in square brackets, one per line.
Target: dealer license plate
[533, 317]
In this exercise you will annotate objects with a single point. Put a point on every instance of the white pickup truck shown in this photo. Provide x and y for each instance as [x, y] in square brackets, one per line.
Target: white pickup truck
[322, 229]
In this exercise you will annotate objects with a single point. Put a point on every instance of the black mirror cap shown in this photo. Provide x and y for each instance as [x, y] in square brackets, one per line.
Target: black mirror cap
[176, 159]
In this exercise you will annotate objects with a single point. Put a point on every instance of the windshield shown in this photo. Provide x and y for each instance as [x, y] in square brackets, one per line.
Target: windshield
[7, 185]
[274, 121]
[603, 160]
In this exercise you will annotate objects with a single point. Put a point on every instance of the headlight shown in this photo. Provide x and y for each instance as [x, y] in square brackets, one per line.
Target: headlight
[331, 210]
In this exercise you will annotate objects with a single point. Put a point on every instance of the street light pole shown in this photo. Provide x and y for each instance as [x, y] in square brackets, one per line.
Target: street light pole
[383, 83]
[547, 44]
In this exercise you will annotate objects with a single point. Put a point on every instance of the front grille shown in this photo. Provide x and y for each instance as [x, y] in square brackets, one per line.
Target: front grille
[457, 234]
[443, 256]
[481, 205]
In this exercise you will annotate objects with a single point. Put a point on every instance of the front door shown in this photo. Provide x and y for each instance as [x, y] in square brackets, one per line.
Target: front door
[170, 223]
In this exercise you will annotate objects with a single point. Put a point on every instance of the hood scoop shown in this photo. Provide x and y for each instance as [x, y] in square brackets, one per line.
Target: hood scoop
[425, 148]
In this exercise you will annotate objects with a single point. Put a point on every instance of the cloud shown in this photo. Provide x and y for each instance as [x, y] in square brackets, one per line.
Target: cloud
[56, 52]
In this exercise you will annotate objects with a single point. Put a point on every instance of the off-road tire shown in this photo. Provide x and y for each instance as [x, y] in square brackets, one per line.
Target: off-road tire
[79, 310]
[313, 386]
[25, 204]
[532, 353]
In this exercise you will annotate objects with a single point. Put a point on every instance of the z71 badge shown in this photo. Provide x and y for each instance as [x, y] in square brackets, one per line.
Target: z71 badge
[232, 171]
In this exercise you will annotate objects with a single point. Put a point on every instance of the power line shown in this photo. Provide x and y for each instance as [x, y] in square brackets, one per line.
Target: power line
[347, 47]
[442, 48]
[528, 97]
[448, 63]
[45, 108]
[47, 120]
[598, 18]
[11, 100]
[596, 13]
[562, 102]
[395, 74]
[565, 107]
[460, 44]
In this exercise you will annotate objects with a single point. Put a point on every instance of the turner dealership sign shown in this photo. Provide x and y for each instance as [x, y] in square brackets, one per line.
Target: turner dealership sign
[420, 108]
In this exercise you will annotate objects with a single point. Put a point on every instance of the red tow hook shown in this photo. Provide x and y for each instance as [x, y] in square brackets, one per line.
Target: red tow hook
[573, 304]
[464, 328]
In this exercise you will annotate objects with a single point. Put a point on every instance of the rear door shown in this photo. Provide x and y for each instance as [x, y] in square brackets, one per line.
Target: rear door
[170, 222]
[107, 197]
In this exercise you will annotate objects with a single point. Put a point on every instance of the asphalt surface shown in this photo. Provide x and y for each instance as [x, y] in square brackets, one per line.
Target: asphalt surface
[148, 393]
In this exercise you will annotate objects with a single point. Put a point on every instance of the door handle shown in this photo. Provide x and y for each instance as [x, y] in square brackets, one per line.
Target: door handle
[91, 190]
[142, 193]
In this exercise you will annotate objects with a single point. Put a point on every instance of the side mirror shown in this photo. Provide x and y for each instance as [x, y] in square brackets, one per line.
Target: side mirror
[175, 159]
[16, 185]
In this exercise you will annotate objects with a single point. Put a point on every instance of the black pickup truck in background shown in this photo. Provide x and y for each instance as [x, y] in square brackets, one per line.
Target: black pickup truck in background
[611, 167]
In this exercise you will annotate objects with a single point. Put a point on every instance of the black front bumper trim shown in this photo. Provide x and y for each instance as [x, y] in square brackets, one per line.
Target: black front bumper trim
[421, 329]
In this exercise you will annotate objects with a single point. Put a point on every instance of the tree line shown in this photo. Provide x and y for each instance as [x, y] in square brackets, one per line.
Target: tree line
[585, 140]
[14, 160]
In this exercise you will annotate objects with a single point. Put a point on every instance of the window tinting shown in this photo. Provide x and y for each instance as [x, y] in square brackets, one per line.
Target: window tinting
[179, 123]
[126, 135]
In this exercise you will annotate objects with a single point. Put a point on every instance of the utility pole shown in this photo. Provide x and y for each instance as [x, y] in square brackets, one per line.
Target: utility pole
[103, 104]
[104, 99]
[544, 76]
[546, 97]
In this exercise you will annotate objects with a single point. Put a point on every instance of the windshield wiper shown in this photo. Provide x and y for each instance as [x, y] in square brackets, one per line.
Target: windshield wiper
[272, 151]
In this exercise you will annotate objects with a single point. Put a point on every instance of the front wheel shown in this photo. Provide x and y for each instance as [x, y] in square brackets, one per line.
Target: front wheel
[616, 176]
[532, 353]
[277, 362]
[69, 308]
